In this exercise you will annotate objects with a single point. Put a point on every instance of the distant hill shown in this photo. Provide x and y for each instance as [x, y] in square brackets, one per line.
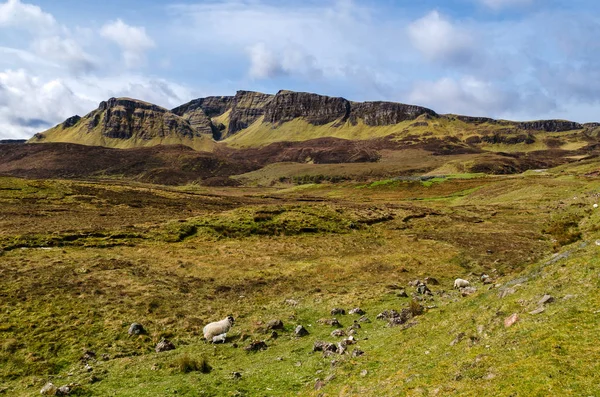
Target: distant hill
[252, 119]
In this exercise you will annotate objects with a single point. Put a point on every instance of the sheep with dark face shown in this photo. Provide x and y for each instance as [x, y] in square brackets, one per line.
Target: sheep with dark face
[217, 328]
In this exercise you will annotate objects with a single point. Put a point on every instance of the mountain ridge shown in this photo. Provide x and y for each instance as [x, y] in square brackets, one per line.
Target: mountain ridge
[252, 119]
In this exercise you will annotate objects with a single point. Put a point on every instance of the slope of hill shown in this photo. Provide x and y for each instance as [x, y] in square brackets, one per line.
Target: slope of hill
[127, 123]
[252, 119]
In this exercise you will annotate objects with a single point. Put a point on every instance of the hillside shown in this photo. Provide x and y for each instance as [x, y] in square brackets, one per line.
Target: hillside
[252, 119]
[81, 261]
[127, 123]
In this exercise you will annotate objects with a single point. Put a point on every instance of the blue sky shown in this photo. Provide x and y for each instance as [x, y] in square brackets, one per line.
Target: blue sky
[514, 59]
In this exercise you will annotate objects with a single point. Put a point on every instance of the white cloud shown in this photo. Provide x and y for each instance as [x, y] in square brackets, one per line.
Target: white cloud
[133, 40]
[64, 51]
[14, 14]
[438, 39]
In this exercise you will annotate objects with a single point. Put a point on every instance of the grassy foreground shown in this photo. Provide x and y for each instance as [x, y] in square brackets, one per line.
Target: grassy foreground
[81, 261]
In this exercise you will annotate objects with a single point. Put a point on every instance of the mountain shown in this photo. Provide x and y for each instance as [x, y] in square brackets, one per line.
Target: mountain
[127, 123]
[251, 119]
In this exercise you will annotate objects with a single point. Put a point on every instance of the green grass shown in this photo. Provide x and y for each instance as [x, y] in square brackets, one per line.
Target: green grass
[176, 259]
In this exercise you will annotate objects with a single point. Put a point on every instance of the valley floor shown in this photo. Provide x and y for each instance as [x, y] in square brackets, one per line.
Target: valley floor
[80, 261]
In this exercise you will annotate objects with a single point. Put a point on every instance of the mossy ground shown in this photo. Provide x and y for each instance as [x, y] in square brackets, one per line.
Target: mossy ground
[81, 261]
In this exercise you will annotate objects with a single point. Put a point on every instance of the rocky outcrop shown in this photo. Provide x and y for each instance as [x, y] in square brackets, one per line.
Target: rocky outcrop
[550, 125]
[71, 121]
[315, 109]
[247, 107]
[212, 106]
[377, 114]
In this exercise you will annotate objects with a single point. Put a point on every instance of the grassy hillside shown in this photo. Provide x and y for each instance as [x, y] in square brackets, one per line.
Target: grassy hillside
[81, 261]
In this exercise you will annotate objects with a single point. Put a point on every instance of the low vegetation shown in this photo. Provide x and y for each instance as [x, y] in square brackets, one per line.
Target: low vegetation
[81, 261]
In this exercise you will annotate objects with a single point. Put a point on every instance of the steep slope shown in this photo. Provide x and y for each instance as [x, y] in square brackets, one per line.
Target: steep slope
[126, 123]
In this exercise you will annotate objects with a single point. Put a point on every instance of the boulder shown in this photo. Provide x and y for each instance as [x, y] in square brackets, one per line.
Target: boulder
[323, 346]
[511, 320]
[256, 346]
[338, 333]
[300, 331]
[164, 345]
[49, 389]
[357, 310]
[539, 310]
[467, 291]
[337, 311]
[136, 329]
[431, 281]
[275, 324]
[546, 299]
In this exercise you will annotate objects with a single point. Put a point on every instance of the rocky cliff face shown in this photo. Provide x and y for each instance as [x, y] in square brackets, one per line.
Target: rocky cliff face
[124, 122]
[315, 109]
[247, 107]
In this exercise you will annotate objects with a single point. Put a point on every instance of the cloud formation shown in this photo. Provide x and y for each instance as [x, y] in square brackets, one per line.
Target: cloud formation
[133, 41]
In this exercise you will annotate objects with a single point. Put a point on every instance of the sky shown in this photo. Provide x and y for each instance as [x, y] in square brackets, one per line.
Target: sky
[511, 59]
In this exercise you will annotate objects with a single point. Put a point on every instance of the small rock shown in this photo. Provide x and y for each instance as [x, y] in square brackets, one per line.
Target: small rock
[291, 302]
[88, 368]
[423, 289]
[275, 324]
[364, 319]
[546, 299]
[337, 311]
[458, 339]
[597, 242]
[323, 346]
[357, 310]
[300, 331]
[355, 326]
[274, 335]
[509, 321]
[88, 356]
[236, 375]
[164, 345]
[341, 348]
[467, 291]
[414, 283]
[105, 357]
[298, 364]
[136, 329]
[63, 391]
[338, 332]
[332, 322]
[402, 294]
[49, 390]
[256, 346]
[154, 367]
[319, 385]
[387, 314]
[595, 206]
[357, 353]
[431, 281]
[364, 373]
[567, 297]
[505, 292]
[537, 311]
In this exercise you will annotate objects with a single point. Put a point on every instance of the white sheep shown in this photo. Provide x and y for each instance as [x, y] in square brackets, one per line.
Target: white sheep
[460, 283]
[217, 328]
[219, 338]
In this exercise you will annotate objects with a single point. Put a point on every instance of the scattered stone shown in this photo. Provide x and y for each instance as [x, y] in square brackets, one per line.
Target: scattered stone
[63, 391]
[330, 378]
[355, 326]
[509, 321]
[319, 385]
[136, 329]
[321, 346]
[458, 339]
[357, 353]
[332, 322]
[300, 331]
[364, 373]
[338, 333]
[423, 289]
[164, 345]
[357, 310]
[236, 375]
[505, 292]
[467, 291]
[88, 355]
[256, 346]
[341, 348]
[49, 389]
[485, 279]
[275, 324]
[387, 314]
[154, 367]
[431, 281]
[567, 297]
[337, 311]
[298, 364]
[94, 379]
[538, 311]
[402, 294]
[88, 368]
[274, 335]
[291, 302]
[414, 283]
[105, 357]
[364, 319]
[546, 299]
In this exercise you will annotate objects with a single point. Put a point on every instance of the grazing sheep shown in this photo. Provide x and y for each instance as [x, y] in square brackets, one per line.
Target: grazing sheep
[219, 338]
[460, 283]
[217, 328]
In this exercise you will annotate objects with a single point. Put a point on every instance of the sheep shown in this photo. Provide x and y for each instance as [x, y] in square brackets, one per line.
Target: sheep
[217, 328]
[219, 338]
[460, 283]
